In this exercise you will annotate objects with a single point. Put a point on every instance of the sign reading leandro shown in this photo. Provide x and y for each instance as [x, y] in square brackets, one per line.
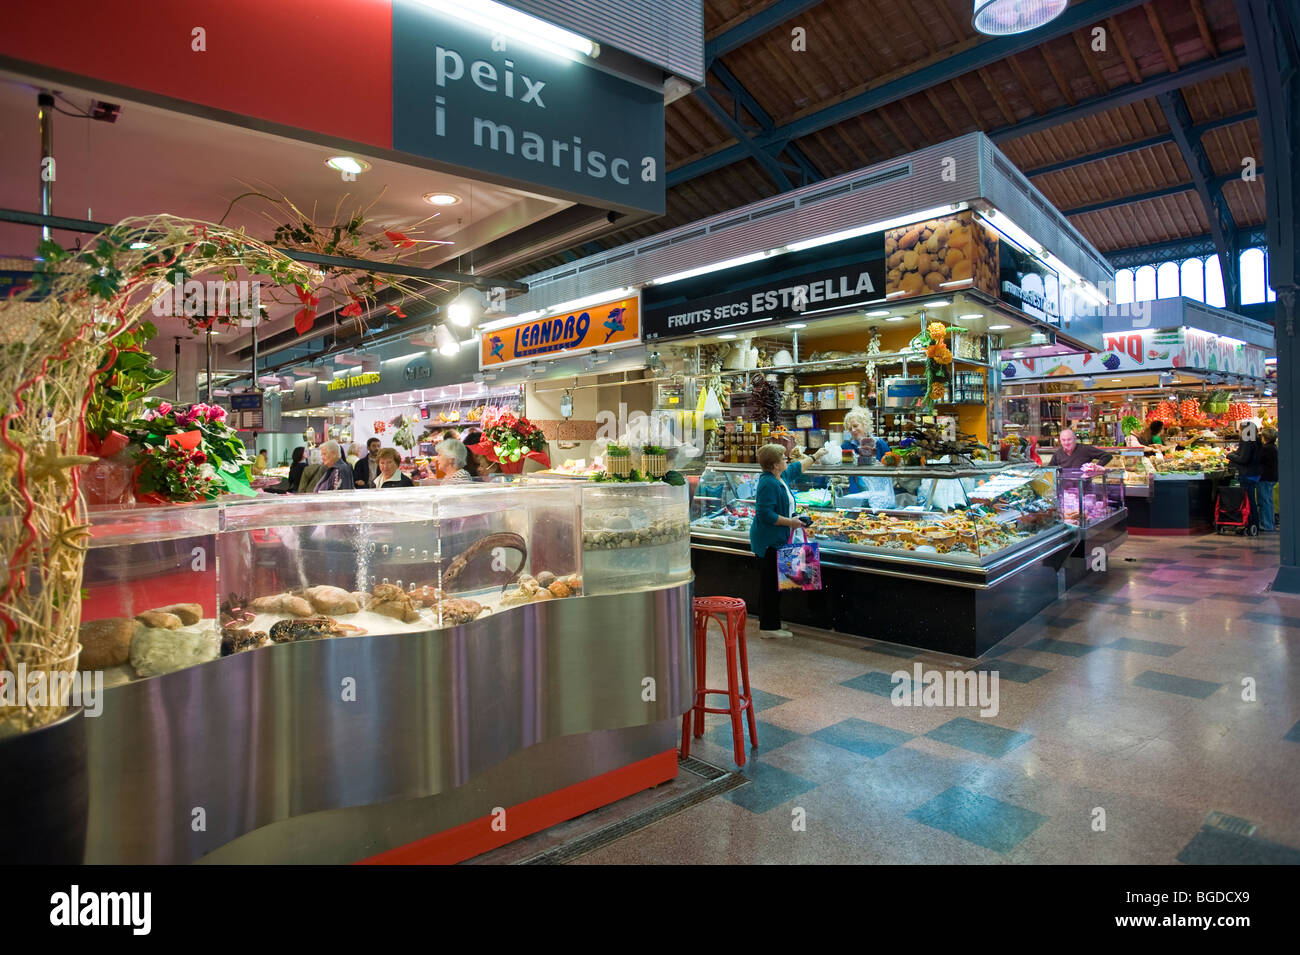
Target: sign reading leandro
[598, 326]
[462, 95]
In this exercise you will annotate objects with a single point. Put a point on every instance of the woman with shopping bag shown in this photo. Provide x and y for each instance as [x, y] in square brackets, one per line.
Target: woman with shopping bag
[770, 531]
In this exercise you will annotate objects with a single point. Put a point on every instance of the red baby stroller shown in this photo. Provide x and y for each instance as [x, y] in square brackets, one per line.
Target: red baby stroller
[1232, 511]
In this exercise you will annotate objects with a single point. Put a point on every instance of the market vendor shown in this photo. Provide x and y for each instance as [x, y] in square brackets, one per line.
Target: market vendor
[869, 448]
[1072, 455]
[773, 524]
[1149, 438]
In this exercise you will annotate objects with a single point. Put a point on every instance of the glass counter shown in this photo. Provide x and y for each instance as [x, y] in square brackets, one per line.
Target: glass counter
[1091, 499]
[171, 587]
[962, 514]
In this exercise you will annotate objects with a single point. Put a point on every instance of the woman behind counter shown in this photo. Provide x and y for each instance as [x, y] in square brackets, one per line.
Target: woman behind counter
[770, 530]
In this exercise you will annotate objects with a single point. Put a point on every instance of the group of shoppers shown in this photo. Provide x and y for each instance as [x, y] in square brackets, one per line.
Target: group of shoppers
[1256, 462]
[379, 467]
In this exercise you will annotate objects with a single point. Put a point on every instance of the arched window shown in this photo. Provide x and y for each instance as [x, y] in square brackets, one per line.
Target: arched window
[1214, 283]
[1253, 281]
[1193, 279]
[1270, 295]
[1144, 284]
[1167, 280]
[1124, 286]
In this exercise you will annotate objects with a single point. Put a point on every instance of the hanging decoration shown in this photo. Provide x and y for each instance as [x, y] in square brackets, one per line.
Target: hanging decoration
[933, 339]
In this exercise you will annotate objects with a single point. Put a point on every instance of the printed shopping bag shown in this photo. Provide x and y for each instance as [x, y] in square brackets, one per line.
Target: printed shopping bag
[799, 566]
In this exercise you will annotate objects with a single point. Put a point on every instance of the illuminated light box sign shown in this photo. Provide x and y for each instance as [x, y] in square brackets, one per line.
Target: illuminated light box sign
[606, 325]
[462, 95]
[1148, 351]
[355, 381]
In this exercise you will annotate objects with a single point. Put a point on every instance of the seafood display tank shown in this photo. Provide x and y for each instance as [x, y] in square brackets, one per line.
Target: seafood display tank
[943, 557]
[408, 675]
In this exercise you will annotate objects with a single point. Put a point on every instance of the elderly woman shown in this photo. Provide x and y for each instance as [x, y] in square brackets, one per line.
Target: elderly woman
[773, 523]
[451, 462]
[869, 448]
[337, 475]
[390, 473]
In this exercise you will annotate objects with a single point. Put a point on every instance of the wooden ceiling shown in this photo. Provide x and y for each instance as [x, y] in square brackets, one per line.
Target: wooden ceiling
[1118, 172]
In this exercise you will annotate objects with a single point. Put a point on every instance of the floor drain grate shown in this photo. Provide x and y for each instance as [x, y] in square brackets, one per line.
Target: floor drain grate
[1233, 824]
[719, 781]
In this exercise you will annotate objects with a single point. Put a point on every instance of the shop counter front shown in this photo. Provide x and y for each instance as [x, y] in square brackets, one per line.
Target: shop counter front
[1178, 504]
[409, 676]
[945, 558]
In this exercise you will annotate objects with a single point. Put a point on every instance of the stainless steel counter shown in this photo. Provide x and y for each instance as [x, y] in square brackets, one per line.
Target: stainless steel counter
[183, 764]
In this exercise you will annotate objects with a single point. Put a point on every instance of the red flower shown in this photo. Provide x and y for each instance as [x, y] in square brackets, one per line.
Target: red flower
[304, 320]
[353, 309]
[397, 311]
[399, 240]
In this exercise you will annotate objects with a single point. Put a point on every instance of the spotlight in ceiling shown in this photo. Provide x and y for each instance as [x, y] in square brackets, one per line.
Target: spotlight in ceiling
[448, 344]
[465, 307]
[441, 198]
[1005, 17]
[347, 164]
[878, 314]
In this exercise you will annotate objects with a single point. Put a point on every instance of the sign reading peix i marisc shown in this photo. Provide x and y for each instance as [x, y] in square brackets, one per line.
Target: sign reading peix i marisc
[486, 102]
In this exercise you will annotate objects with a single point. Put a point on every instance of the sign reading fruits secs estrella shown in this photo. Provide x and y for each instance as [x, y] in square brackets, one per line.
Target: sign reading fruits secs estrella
[608, 324]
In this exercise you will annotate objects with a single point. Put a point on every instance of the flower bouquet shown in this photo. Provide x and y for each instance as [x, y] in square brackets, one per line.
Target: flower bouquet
[509, 439]
[198, 428]
[938, 360]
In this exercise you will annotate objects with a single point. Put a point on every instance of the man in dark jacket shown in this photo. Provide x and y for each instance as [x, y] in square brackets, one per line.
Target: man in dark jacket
[367, 469]
[1072, 455]
[1248, 459]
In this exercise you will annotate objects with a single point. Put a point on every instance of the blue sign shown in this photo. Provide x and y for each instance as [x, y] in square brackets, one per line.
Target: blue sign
[489, 104]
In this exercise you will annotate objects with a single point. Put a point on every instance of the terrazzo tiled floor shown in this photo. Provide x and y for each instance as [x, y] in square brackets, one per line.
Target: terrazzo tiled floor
[1121, 728]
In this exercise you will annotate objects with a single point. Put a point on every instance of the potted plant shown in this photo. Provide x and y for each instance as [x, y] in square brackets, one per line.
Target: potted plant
[618, 460]
[654, 460]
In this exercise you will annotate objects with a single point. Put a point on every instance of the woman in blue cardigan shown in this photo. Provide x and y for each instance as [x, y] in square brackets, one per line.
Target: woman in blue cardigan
[770, 530]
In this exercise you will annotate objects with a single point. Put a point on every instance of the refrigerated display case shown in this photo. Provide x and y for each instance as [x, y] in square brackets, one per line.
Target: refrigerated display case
[991, 538]
[402, 655]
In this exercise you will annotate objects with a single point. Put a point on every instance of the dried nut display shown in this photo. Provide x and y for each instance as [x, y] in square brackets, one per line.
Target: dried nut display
[938, 254]
[105, 643]
[332, 600]
[283, 603]
[159, 620]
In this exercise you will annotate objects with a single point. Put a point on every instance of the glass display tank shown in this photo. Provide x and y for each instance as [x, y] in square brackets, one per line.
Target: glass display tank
[634, 536]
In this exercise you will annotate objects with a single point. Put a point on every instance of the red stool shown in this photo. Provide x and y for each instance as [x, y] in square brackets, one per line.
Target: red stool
[730, 615]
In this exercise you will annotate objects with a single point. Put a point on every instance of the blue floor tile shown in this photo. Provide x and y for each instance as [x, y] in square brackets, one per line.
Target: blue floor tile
[1015, 672]
[881, 684]
[765, 701]
[893, 650]
[862, 737]
[1212, 847]
[1066, 648]
[770, 736]
[1151, 647]
[1182, 685]
[979, 736]
[1060, 623]
[1294, 734]
[977, 818]
[769, 787]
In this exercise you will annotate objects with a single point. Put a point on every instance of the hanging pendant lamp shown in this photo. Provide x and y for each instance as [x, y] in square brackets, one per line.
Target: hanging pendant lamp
[1004, 17]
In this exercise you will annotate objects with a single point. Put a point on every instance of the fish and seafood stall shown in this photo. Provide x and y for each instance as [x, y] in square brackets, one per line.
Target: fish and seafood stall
[357, 676]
